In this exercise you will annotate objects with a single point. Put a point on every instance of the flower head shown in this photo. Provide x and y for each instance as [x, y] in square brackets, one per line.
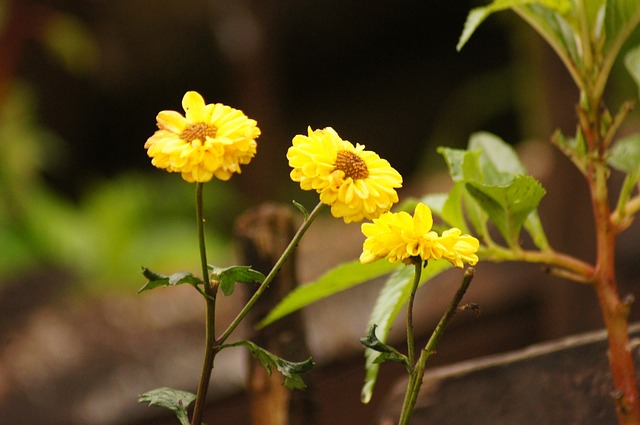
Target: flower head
[209, 141]
[356, 183]
[402, 237]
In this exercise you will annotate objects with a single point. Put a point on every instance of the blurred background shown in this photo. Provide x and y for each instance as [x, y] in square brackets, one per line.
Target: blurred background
[82, 209]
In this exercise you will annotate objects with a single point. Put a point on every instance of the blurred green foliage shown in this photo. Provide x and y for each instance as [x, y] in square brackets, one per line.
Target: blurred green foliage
[114, 228]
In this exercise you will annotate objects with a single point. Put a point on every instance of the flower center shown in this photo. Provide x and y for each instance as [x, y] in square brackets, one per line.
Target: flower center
[198, 131]
[352, 165]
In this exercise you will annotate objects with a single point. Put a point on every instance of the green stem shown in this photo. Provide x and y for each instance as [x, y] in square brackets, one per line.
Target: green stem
[621, 217]
[561, 264]
[210, 292]
[272, 274]
[417, 371]
[412, 296]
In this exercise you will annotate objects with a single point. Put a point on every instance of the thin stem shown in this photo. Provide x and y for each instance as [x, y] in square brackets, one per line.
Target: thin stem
[560, 263]
[210, 291]
[417, 372]
[620, 217]
[410, 338]
[272, 274]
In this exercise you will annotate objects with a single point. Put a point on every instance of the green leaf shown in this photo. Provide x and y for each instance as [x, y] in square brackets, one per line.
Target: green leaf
[464, 165]
[620, 20]
[500, 164]
[387, 352]
[229, 276]
[625, 155]
[290, 370]
[498, 160]
[168, 398]
[448, 206]
[393, 296]
[157, 279]
[632, 63]
[340, 278]
[479, 14]
[508, 206]
[535, 229]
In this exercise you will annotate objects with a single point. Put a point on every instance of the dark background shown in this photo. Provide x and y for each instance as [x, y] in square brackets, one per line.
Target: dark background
[81, 208]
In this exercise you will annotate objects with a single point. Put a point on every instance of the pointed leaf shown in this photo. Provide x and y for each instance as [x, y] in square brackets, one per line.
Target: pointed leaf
[229, 276]
[393, 296]
[168, 398]
[338, 279]
[290, 370]
[478, 15]
[508, 206]
[387, 352]
[157, 279]
[620, 20]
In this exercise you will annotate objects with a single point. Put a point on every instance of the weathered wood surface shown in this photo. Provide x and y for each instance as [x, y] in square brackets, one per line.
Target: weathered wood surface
[262, 235]
[560, 382]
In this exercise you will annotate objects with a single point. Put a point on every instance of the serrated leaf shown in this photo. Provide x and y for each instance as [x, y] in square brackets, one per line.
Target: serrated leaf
[229, 276]
[391, 299]
[292, 371]
[508, 206]
[500, 164]
[340, 278]
[632, 63]
[387, 352]
[169, 398]
[160, 280]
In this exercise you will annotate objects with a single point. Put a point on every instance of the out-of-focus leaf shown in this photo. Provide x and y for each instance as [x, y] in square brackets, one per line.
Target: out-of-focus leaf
[632, 63]
[72, 42]
[338, 279]
[477, 15]
[620, 20]
[625, 155]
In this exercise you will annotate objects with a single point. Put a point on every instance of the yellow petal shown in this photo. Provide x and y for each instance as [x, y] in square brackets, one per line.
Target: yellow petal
[194, 107]
[171, 121]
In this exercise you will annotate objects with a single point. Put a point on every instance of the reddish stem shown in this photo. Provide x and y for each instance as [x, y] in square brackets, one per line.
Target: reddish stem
[614, 311]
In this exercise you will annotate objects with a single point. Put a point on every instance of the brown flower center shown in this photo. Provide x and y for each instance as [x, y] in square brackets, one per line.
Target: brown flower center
[198, 131]
[352, 165]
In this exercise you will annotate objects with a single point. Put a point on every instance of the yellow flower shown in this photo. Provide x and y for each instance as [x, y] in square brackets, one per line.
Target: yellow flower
[208, 141]
[459, 248]
[402, 237]
[355, 183]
